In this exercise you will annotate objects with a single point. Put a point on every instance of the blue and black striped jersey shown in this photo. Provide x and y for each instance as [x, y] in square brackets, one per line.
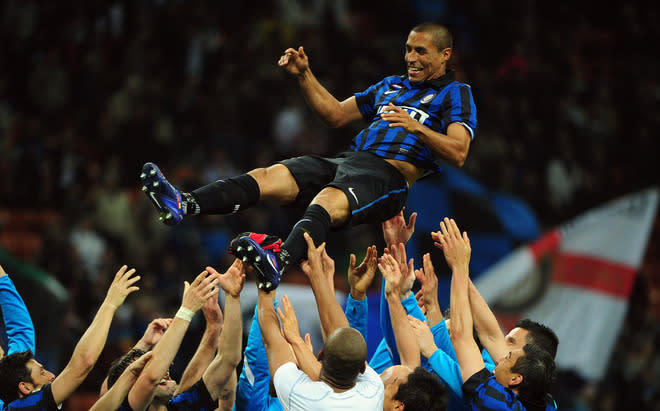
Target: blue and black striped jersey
[435, 103]
[486, 394]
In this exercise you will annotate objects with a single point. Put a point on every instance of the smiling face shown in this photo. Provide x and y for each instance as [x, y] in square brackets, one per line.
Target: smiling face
[165, 389]
[502, 371]
[423, 59]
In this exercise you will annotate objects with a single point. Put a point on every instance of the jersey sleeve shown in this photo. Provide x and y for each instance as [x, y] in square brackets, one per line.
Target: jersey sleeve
[357, 312]
[366, 100]
[252, 389]
[18, 324]
[463, 110]
[448, 370]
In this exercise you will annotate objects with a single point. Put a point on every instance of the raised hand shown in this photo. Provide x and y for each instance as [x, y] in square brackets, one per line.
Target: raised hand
[201, 289]
[389, 267]
[328, 269]
[153, 333]
[313, 266]
[424, 336]
[121, 286]
[360, 277]
[137, 366]
[395, 230]
[294, 61]
[233, 279]
[213, 313]
[455, 247]
[407, 269]
[289, 321]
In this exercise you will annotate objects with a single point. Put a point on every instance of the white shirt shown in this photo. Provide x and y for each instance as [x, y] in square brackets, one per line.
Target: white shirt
[296, 391]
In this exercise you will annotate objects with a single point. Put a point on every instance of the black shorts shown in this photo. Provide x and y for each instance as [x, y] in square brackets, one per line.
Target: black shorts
[375, 189]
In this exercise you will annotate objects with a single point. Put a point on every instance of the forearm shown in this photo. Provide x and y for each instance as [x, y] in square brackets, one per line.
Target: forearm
[277, 349]
[91, 344]
[165, 351]
[201, 359]
[485, 322]
[307, 362]
[330, 312]
[433, 313]
[229, 348]
[113, 399]
[451, 148]
[319, 99]
[406, 341]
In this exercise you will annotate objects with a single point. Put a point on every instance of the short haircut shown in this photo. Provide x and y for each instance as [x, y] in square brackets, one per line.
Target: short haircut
[120, 365]
[540, 335]
[538, 371]
[422, 392]
[441, 36]
[14, 370]
[344, 354]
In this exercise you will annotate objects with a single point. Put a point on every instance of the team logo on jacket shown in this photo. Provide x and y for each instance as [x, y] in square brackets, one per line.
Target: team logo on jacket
[428, 98]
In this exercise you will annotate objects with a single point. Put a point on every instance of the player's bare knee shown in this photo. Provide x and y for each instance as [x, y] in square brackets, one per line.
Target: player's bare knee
[276, 183]
[335, 202]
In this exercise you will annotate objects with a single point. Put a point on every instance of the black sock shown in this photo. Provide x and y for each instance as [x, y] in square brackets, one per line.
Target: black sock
[316, 222]
[227, 196]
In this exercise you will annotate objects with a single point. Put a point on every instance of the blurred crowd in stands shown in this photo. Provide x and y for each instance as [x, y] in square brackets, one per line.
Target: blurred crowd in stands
[568, 96]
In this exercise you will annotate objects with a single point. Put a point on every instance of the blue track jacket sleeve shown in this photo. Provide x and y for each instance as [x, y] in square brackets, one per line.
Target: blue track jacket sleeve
[18, 324]
[252, 390]
[357, 312]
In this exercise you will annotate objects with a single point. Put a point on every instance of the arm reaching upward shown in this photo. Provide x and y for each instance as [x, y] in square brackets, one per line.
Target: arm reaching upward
[195, 295]
[219, 373]
[456, 249]
[332, 316]
[406, 342]
[18, 323]
[91, 344]
[307, 362]
[113, 399]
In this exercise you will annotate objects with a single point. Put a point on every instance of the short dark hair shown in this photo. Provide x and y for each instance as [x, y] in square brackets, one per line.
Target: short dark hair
[344, 354]
[422, 392]
[540, 335]
[538, 370]
[120, 365]
[441, 35]
[13, 371]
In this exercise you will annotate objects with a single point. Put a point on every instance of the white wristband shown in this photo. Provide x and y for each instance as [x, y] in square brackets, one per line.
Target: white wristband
[185, 314]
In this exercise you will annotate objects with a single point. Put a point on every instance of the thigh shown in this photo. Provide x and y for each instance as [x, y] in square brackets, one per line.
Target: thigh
[311, 173]
[375, 189]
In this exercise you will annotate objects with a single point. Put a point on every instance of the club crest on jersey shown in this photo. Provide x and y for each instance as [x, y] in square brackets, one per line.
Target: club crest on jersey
[428, 98]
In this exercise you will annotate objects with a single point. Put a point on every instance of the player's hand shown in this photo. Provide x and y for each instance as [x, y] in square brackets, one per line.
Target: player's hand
[294, 61]
[399, 117]
[121, 286]
[233, 279]
[201, 289]
[289, 321]
[360, 277]
[153, 333]
[395, 230]
[455, 246]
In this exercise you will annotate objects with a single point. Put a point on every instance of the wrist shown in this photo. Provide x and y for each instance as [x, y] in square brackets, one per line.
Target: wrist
[358, 295]
[403, 295]
[108, 304]
[185, 314]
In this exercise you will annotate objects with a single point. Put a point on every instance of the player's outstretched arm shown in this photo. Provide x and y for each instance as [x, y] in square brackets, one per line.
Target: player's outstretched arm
[330, 110]
[90, 345]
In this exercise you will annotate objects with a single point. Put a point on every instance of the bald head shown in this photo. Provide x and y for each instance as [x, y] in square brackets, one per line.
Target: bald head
[344, 356]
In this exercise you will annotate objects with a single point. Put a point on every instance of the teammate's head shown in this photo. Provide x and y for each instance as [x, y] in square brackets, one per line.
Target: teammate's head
[428, 47]
[166, 387]
[119, 365]
[343, 357]
[529, 371]
[20, 375]
[416, 390]
[537, 334]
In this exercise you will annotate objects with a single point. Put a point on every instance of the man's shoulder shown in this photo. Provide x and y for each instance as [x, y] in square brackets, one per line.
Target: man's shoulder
[40, 400]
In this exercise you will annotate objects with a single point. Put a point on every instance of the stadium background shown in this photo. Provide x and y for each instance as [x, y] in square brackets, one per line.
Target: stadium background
[567, 93]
